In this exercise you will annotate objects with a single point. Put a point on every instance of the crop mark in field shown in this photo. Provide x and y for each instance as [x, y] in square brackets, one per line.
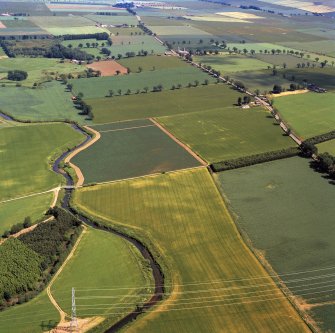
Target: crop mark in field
[127, 128]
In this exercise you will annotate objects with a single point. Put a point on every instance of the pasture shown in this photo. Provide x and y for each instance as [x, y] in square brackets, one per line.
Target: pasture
[48, 102]
[287, 211]
[179, 101]
[229, 64]
[312, 114]
[103, 260]
[46, 22]
[150, 63]
[26, 154]
[123, 44]
[184, 30]
[289, 60]
[131, 149]
[227, 133]
[327, 147]
[15, 211]
[60, 31]
[322, 77]
[211, 273]
[36, 316]
[324, 47]
[98, 87]
[262, 80]
[39, 69]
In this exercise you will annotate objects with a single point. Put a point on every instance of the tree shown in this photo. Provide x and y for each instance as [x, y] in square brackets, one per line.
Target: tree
[17, 75]
[277, 89]
[69, 86]
[206, 82]
[128, 92]
[308, 149]
[239, 101]
[196, 83]
[27, 222]
[140, 69]
[7, 295]
[111, 93]
[293, 87]
[119, 92]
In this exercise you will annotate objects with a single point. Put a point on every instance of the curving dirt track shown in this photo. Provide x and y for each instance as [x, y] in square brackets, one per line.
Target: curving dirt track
[68, 158]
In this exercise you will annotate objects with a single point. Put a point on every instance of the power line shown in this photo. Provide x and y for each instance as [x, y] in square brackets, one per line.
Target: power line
[217, 281]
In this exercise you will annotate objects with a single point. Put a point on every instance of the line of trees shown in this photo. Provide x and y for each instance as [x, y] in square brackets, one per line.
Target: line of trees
[18, 227]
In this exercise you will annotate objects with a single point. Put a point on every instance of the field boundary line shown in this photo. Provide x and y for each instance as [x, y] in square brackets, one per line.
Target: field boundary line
[68, 158]
[183, 145]
[144, 176]
[127, 128]
[118, 122]
[62, 313]
[29, 195]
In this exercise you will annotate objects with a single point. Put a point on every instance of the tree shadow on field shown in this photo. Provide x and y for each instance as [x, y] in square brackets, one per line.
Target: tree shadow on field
[47, 326]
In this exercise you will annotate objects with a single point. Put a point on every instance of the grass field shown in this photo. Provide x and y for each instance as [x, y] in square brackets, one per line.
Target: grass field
[312, 114]
[278, 204]
[105, 261]
[325, 47]
[328, 146]
[46, 22]
[91, 29]
[280, 59]
[152, 62]
[125, 43]
[322, 77]
[36, 316]
[15, 211]
[47, 103]
[25, 157]
[229, 64]
[100, 86]
[131, 149]
[39, 69]
[208, 265]
[227, 133]
[178, 31]
[180, 101]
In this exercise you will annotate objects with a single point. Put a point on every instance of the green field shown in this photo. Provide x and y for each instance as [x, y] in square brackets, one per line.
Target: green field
[36, 316]
[227, 133]
[48, 102]
[125, 31]
[312, 114]
[25, 156]
[178, 31]
[290, 61]
[322, 77]
[262, 80]
[105, 261]
[324, 47]
[39, 69]
[46, 22]
[208, 265]
[15, 211]
[150, 63]
[328, 146]
[59, 31]
[278, 204]
[98, 87]
[180, 101]
[131, 149]
[229, 64]
[123, 44]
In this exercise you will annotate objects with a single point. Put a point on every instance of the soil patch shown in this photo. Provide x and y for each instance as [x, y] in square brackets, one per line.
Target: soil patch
[108, 68]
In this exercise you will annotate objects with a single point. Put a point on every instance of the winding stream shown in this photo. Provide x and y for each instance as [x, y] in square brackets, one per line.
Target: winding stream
[147, 255]
[156, 269]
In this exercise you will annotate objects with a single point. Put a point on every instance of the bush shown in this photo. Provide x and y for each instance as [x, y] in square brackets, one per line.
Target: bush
[17, 75]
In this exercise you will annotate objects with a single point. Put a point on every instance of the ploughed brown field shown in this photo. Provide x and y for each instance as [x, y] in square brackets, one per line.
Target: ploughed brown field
[108, 67]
